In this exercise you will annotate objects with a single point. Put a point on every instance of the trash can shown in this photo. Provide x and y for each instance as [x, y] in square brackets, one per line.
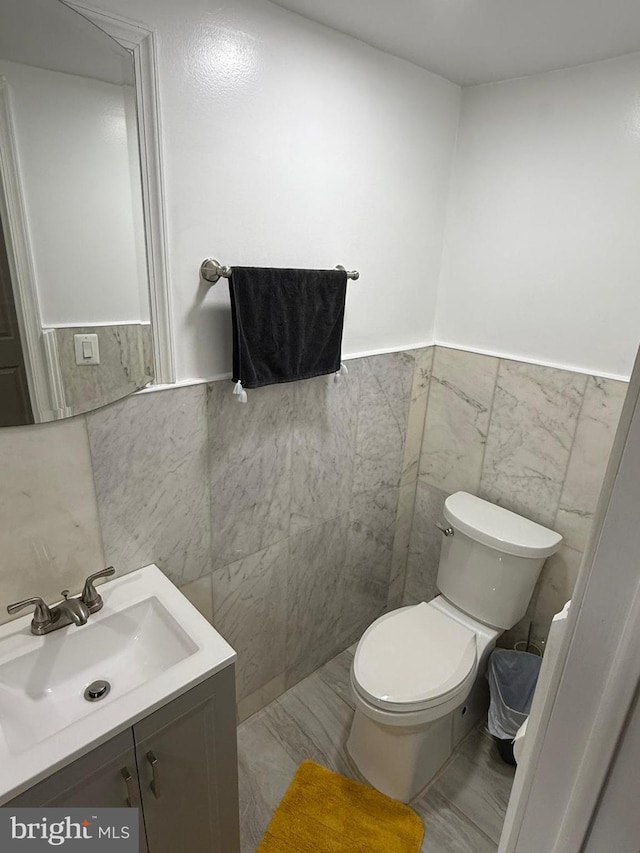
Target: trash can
[512, 682]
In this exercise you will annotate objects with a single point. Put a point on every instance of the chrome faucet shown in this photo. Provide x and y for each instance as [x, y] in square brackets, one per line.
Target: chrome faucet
[75, 609]
[69, 610]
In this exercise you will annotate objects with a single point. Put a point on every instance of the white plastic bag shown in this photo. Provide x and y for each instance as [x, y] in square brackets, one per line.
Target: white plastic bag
[512, 681]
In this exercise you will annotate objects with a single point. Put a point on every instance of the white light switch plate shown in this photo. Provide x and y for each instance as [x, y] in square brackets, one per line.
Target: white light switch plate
[87, 349]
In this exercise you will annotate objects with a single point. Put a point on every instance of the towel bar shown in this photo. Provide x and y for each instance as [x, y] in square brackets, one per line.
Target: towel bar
[211, 270]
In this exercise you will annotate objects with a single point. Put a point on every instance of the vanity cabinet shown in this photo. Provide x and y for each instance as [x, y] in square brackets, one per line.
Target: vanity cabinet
[178, 766]
[103, 778]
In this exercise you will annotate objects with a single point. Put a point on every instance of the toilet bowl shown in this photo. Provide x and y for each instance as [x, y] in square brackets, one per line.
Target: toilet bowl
[414, 671]
[417, 677]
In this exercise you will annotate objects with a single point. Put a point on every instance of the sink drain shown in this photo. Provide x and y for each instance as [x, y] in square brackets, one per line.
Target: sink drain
[97, 690]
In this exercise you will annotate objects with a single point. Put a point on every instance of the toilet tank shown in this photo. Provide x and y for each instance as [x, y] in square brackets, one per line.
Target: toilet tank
[490, 564]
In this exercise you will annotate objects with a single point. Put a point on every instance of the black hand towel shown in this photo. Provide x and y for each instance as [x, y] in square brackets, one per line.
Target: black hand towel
[287, 324]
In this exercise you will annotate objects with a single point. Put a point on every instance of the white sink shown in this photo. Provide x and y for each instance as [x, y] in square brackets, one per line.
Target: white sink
[148, 642]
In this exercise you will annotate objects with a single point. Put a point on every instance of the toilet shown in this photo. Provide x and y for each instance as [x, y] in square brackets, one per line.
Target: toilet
[418, 672]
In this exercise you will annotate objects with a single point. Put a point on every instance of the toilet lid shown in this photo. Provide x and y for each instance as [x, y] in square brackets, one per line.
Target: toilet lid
[414, 657]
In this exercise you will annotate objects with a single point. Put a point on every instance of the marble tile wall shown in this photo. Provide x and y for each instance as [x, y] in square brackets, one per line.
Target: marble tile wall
[150, 456]
[50, 534]
[294, 521]
[281, 519]
[533, 439]
[305, 485]
[533, 424]
[602, 403]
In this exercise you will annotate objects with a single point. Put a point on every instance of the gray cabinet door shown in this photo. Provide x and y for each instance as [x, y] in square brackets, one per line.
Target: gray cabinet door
[104, 778]
[187, 765]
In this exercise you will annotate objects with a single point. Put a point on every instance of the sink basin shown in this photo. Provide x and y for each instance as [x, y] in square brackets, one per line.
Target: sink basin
[148, 642]
[41, 692]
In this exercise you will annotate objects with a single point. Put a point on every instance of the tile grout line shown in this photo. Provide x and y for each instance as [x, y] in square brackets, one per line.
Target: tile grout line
[480, 730]
[573, 442]
[426, 411]
[493, 400]
[445, 766]
[273, 724]
[415, 484]
[87, 433]
[349, 509]
[399, 488]
[463, 814]
[208, 415]
[340, 698]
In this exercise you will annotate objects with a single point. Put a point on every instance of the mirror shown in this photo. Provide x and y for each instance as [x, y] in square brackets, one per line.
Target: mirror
[75, 329]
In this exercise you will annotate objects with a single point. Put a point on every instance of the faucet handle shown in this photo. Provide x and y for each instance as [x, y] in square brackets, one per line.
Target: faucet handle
[41, 615]
[90, 596]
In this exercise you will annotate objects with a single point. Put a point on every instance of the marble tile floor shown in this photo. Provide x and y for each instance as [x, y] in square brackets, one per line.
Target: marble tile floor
[463, 809]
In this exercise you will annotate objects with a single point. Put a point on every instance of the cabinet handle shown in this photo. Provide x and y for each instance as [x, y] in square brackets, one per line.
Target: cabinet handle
[131, 787]
[155, 784]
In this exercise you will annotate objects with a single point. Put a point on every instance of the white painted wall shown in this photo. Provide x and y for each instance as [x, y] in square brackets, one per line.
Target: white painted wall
[288, 144]
[616, 823]
[541, 259]
[81, 186]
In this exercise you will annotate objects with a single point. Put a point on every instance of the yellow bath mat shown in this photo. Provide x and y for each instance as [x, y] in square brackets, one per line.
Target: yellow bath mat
[322, 812]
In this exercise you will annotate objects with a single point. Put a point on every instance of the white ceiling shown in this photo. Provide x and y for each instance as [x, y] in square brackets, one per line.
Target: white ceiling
[482, 41]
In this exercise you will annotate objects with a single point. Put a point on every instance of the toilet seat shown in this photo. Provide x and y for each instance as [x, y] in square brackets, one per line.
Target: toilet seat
[414, 659]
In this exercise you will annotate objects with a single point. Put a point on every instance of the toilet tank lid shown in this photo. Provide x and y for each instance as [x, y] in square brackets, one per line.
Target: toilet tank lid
[499, 528]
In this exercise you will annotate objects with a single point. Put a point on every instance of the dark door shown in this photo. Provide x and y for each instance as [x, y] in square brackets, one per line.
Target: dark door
[15, 408]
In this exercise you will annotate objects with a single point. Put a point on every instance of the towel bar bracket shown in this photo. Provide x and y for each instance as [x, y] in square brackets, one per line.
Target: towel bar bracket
[352, 274]
[212, 270]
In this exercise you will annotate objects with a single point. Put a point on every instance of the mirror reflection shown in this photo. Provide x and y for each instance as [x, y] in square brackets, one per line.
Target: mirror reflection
[75, 330]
